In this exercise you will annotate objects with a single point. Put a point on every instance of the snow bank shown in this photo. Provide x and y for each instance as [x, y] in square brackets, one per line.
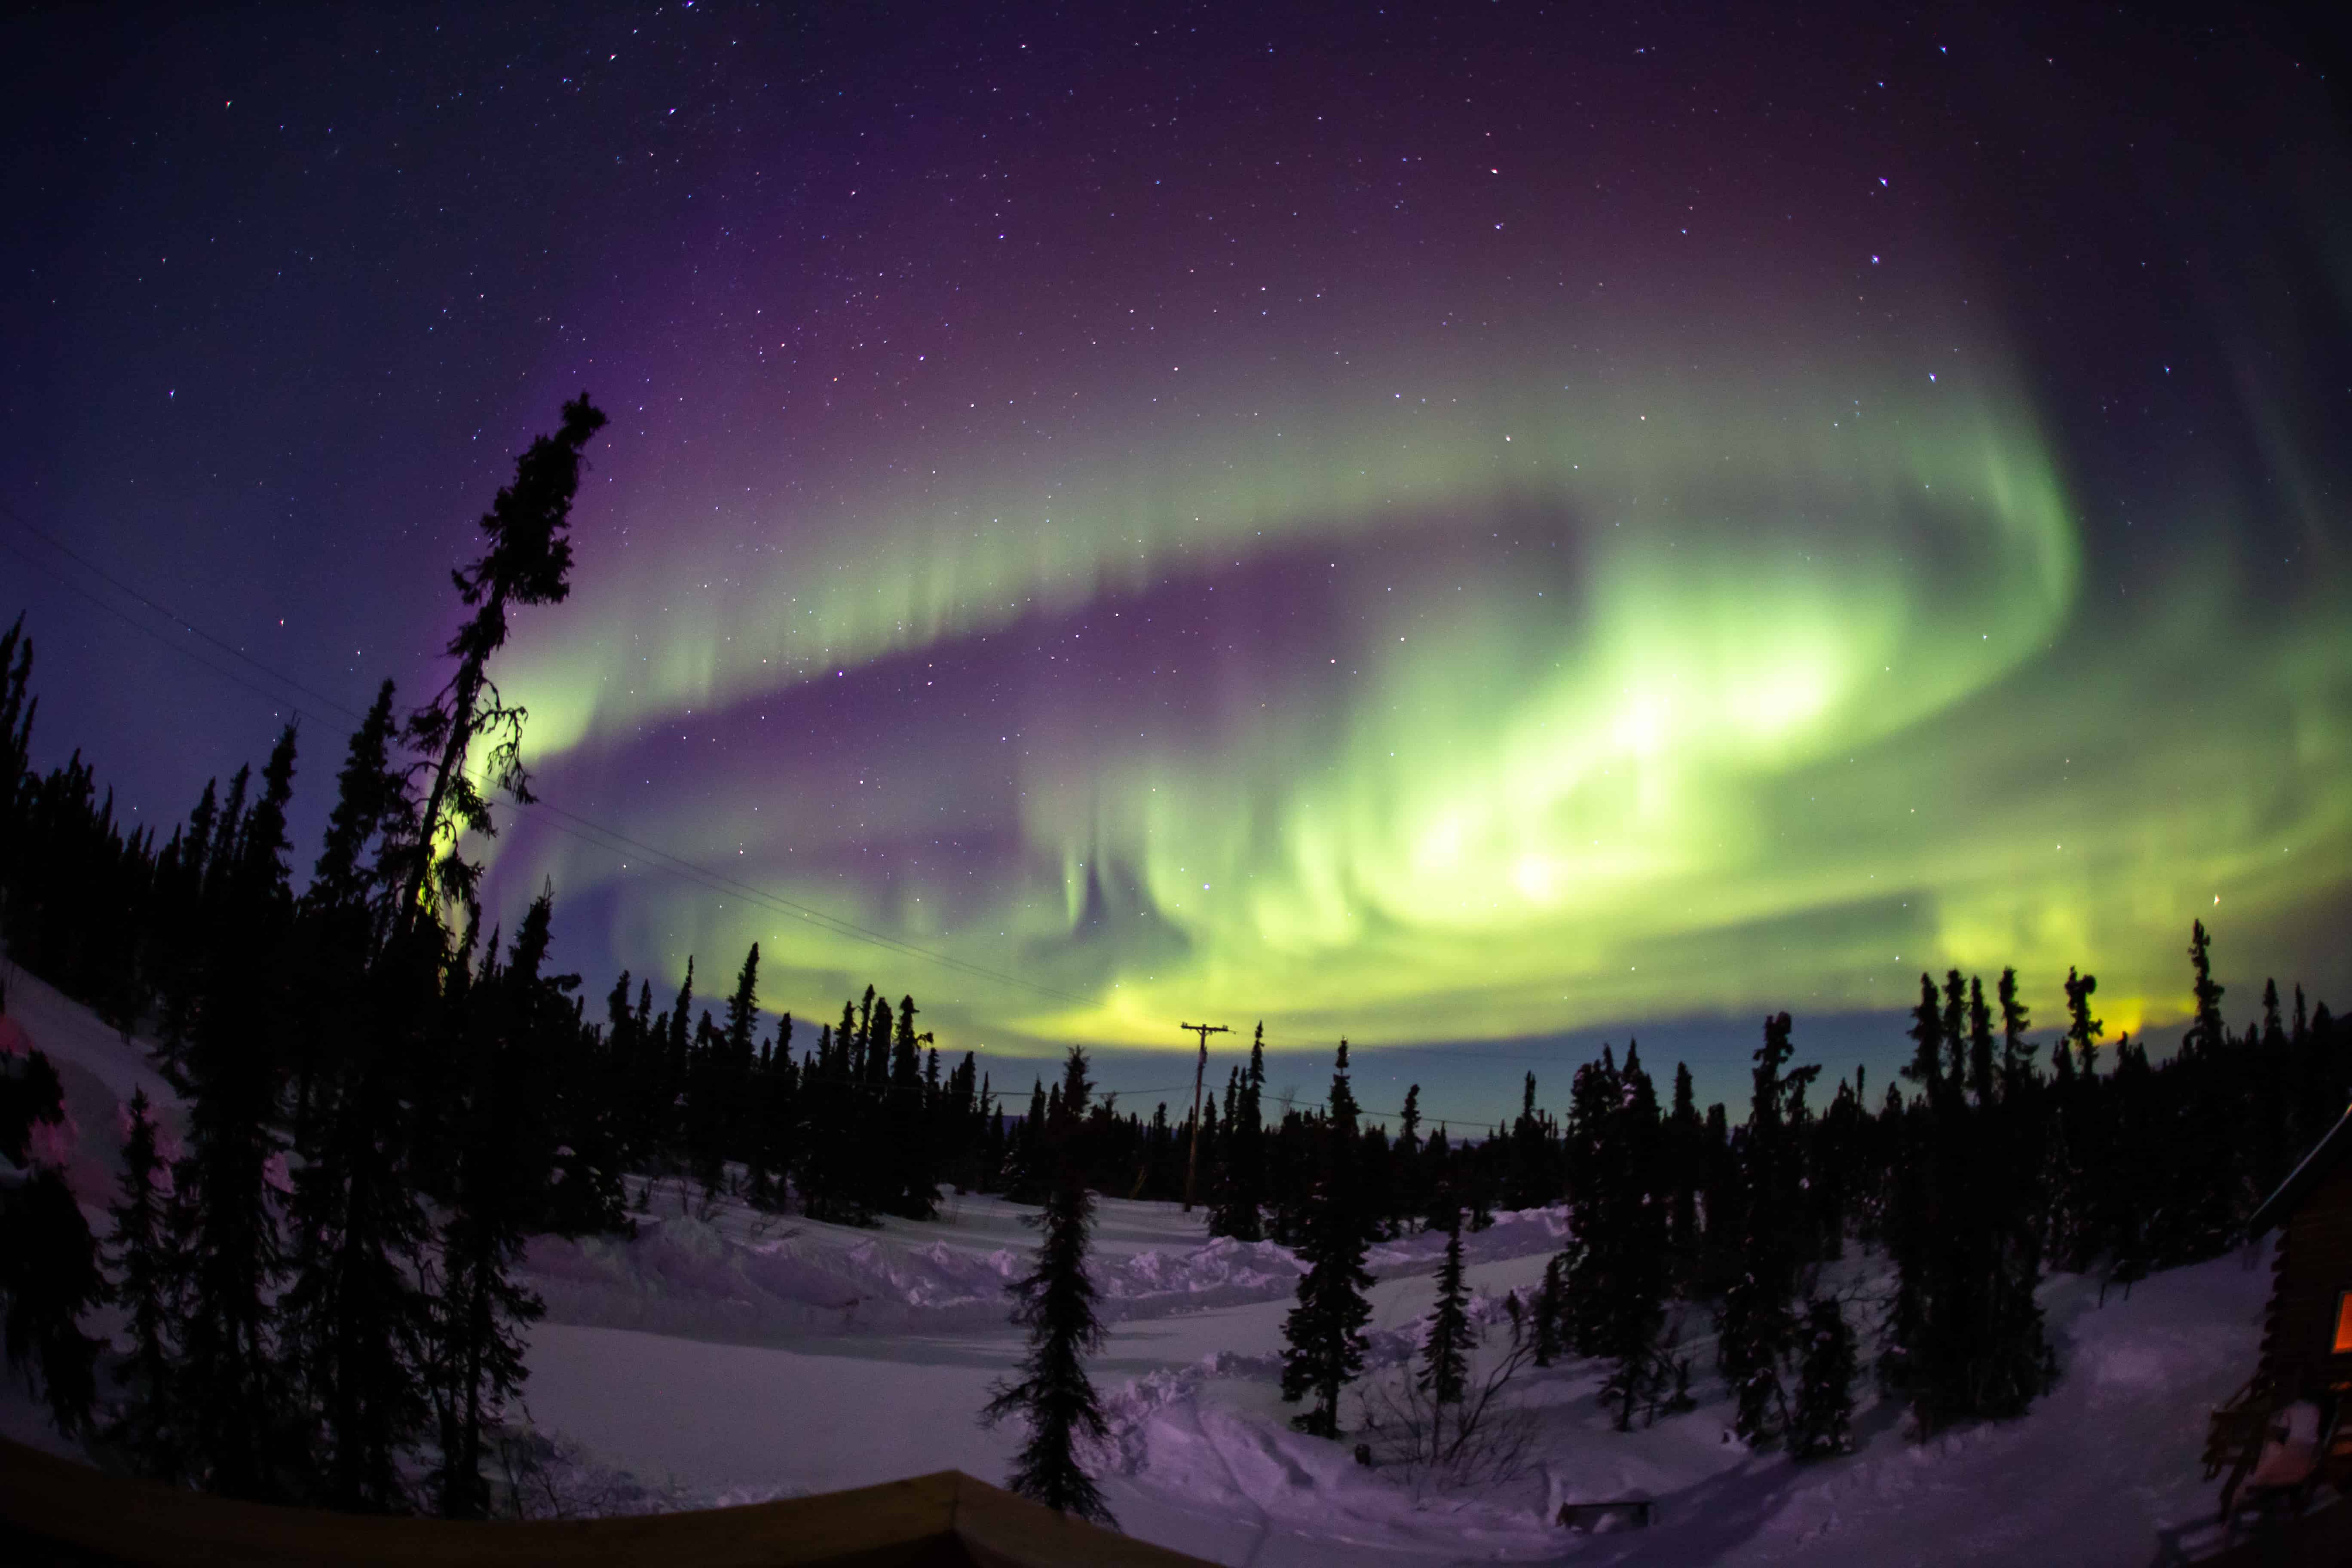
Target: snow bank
[722, 1271]
[689, 1275]
[99, 1072]
[1516, 1232]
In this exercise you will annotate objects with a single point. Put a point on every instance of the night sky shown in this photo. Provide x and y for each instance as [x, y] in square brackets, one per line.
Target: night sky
[1479, 528]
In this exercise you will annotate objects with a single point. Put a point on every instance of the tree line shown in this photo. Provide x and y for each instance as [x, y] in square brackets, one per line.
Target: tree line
[1985, 1168]
[317, 1273]
[1996, 1168]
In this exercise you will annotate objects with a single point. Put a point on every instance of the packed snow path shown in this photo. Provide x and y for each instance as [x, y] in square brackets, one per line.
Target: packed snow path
[723, 1355]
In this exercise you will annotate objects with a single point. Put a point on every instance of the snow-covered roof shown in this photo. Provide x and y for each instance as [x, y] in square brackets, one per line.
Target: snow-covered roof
[2303, 1177]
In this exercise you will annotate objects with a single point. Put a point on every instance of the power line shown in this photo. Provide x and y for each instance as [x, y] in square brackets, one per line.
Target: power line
[161, 609]
[116, 610]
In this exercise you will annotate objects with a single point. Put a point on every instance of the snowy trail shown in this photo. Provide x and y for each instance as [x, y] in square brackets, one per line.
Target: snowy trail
[750, 1420]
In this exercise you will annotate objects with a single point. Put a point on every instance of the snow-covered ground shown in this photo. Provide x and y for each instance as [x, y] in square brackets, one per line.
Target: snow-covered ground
[724, 1355]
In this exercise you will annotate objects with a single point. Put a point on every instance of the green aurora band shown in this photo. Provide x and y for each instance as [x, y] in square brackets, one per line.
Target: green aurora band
[1799, 682]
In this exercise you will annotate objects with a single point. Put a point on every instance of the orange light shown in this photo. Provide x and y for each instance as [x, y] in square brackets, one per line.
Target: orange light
[2343, 1322]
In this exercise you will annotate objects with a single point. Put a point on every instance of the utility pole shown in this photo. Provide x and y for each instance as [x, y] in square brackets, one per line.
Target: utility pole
[1200, 1070]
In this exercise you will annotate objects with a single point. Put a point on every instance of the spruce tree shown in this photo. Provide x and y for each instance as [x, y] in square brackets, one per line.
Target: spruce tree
[2016, 1056]
[1631, 1313]
[1907, 1130]
[2020, 1364]
[718, 1078]
[1955, 1029]
[368, 833]
[1055, 1302]
[18, 706]
[2206, 1030]
[775, 1141]
[1323, 1337]
[244, 1434]
[1534, 1178]
[1443, 1203]
[1605, 1290]
[1446, 1346]
[1404, 1185]
[481, 1308]
[357, 1318]
[1551, 1308]
[1756, 1327]
[1682, 1161]
[2082, 1031]
[144, 1254]
[1241, 1180]
[677, 1056]
[527, 561]
[1026, 1183]
[1980, 1057]
[2207, 1188]
[874, 1049]
[1821, 1424]
[911, 1179]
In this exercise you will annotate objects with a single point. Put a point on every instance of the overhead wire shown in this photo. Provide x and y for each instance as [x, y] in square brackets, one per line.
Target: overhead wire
[581, 826]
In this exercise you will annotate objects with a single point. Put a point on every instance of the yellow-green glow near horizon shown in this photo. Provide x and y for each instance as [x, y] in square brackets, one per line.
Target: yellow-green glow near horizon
[1789, 691]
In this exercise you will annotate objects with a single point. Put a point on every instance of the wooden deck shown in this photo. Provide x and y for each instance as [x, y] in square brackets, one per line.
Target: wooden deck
[2320, 1538]
[57, 1514]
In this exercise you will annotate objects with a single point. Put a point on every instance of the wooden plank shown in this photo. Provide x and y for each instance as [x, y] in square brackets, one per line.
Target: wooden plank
[2320, 1538]
[1002, 1531]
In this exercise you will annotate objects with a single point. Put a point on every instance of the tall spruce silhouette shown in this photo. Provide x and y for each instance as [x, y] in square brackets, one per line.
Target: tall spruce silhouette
[143, 1250]
[1445, 1373]
[1912, 1196]
[1756, 1328]
[1055, 1302]
[1821, 1424]
[910, 1178]
[243, 1436]
[355, 881]
[355, 1314]
[1632, 1313]
[528, 561]
[357, 1320]
[1241, 1173]
[1323, 1337]
[1683, 1157]
[481, 1307]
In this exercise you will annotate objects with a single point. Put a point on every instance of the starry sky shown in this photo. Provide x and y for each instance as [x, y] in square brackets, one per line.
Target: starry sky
[1480, 528]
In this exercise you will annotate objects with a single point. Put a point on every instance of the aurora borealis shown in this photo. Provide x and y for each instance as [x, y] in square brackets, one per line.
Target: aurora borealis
[1430, 526]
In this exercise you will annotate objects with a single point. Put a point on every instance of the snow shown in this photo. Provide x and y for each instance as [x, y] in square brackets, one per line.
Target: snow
[724, 1356]
[98, 1072]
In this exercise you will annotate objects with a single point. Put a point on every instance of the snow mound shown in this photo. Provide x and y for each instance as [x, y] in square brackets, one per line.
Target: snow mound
[1516, 1232]
[712, 1277]
[100, 1070]
[685, 1275]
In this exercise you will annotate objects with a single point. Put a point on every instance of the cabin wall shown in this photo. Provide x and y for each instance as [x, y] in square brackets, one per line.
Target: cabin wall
[2314, 1265]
